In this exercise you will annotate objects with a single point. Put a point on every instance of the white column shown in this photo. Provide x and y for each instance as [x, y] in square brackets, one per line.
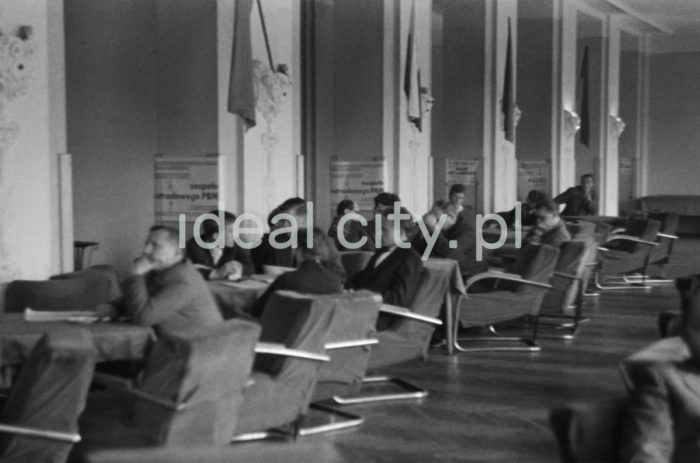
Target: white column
[500, 164]
[564, 103]
[609, 163]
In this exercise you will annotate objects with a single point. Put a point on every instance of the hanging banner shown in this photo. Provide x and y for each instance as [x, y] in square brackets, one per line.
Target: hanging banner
[187, 186]
[360, 181]
[533, 175]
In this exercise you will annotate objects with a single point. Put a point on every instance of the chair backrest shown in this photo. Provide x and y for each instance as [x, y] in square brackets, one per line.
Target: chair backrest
[571, 261]
[99, 276]
[589, 432]
[205, 368]
[535, 263]
[64, 294]
[299, 322]
[49, 394]
[645, 229]
[355, 318]
[669, 226]
[354, 261]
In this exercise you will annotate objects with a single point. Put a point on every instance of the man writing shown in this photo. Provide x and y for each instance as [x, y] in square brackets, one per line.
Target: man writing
[580, 200]
[164, 290]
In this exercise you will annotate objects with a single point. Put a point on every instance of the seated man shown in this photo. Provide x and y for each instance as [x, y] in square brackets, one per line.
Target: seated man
[456, 228]
[311, 276]
[550, 228]
[229, 262]
[267, 254]
[528, 218]
[164, 289]
[353, 231]
[580, 200]
[393, 271]
[663, 424]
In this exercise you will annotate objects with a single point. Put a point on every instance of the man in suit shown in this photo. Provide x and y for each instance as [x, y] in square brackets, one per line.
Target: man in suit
[164, 289]
[663, 424]
[549, 228]
[456, 229]
[311, 276]
[227, 262]
[580, 200]
[267, 254]
[393, 271]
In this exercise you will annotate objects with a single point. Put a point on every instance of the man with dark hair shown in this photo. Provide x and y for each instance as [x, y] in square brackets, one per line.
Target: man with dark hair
[580, 200]
[663, 422]
[227, 262]
[457, 229]
[393, 271]
[353, 231]
[311, 276]
[457, 195]
[527, 210]
[164, 289]
[267, 254]
[550, 228]
[385, 201]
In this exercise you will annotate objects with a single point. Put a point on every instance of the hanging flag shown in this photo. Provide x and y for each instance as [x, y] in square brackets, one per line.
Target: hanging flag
[411, 81]
[241, 89]
[584, 113]
[508, 100]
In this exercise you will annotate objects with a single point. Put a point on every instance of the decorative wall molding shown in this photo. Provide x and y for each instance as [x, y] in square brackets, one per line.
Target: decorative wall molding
[16, 67]
[17, 64]
[572, 123]
[427, 100]
[617, 126]
[272, 91]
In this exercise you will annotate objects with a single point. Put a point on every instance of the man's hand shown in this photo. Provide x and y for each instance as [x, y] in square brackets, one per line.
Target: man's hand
[142, 265]
[230, 270]
[430, 221]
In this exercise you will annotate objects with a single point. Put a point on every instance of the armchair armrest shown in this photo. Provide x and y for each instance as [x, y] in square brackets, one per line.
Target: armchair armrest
[631, 238]
[666, 235]
[127, 387]
[40, 433]
[403, 312]
[504, 276]
[280, 349]
[567, 275]
[615, 231]
[351, 343]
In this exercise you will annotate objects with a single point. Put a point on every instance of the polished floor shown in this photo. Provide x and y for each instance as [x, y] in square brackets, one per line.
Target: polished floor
[493, 407]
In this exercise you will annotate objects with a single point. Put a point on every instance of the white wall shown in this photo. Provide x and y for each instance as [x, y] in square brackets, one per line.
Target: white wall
[674, 119]
[111, 62]
[29, 225]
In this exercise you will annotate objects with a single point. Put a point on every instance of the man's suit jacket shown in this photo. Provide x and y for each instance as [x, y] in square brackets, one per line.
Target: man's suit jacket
[465, 253]
[265, 254]
[664, 421]
[171, 300]
[396, 278]
[202, 256]
[576, 202]
[311, 277]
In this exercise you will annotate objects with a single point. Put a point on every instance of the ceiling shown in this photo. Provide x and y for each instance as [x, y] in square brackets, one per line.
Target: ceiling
[675, 24]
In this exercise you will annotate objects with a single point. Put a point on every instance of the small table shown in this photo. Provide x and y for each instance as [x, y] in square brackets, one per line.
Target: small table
[113, 340]
[236, 298]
